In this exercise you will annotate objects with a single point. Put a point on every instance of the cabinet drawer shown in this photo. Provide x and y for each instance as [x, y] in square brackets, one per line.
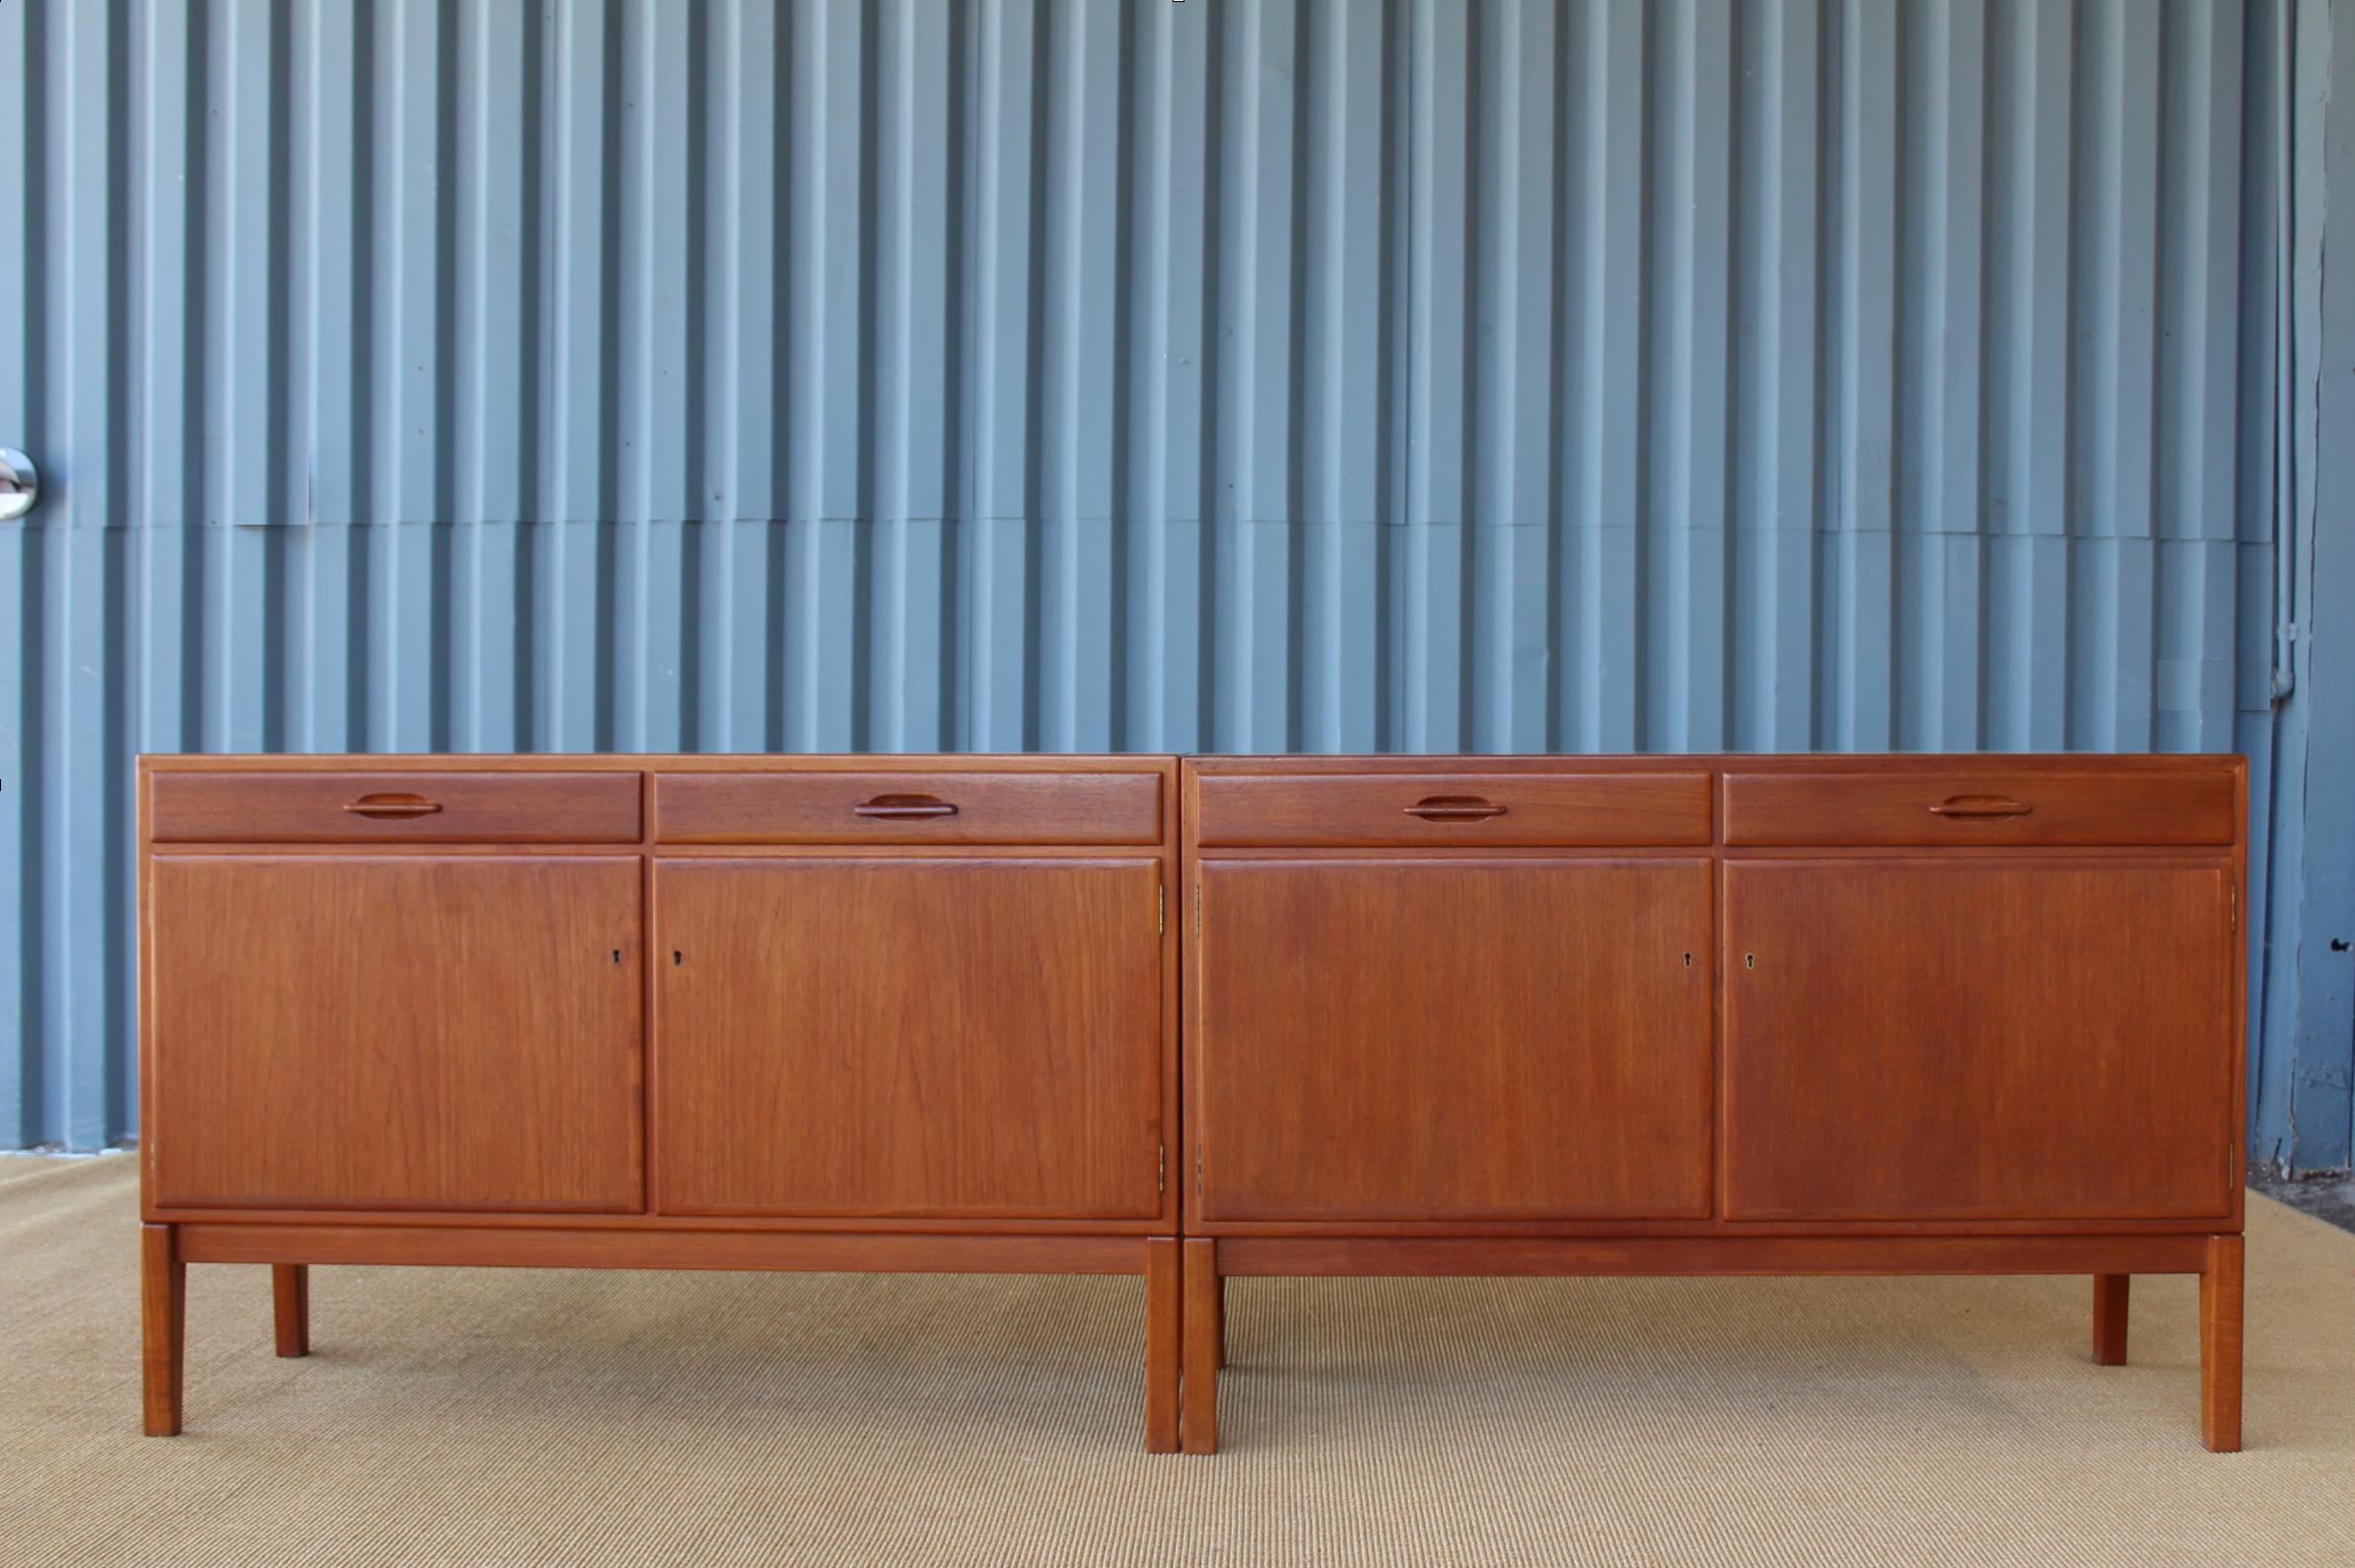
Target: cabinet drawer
[2193, 806]
[393, 808]
[1474, 808]
[946, 808]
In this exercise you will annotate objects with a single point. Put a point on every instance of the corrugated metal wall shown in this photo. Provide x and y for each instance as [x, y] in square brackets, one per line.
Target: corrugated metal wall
[1424, 375]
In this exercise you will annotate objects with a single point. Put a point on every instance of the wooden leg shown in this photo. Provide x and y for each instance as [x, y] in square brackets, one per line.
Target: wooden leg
[290, 1292]
[1222, 1322]
[164, 1326]
[2110, 1319]
[1200, 1319]
[1161, 1344]
[2220, 1346]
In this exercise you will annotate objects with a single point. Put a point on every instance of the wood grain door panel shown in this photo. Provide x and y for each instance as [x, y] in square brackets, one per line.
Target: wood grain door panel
[1427, 1040]
[399, 1032]
[953, 1036]
[1980, 1039]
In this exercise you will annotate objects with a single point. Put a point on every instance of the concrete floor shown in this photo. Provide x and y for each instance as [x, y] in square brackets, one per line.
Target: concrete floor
[2328, 1196]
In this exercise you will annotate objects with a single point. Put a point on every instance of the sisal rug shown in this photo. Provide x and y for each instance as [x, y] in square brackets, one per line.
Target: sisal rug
[510, 1417]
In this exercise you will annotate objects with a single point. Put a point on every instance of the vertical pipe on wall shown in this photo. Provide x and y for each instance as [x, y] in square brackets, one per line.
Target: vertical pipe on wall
[2284, 482]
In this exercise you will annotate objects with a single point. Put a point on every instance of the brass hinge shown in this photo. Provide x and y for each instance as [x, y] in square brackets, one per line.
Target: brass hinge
[1197, 908]
[2236, 908]
[1198, 1169]
[1161, 907]
[1161, 1170]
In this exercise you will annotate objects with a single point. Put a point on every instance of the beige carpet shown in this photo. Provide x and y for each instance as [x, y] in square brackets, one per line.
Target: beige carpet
[504, 1416]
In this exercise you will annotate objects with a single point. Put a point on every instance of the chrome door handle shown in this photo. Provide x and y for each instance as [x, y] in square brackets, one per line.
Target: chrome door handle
[20, 484]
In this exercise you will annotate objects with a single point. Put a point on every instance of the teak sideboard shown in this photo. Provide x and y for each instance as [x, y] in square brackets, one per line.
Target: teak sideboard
[1559, 1015]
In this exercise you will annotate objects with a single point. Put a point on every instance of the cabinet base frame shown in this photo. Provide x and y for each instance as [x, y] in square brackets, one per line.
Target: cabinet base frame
[2216, 1258]
[167, 1249]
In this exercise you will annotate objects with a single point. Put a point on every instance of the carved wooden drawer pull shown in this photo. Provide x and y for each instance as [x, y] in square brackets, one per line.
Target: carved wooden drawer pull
[1454, 809]
[1966, 806]
[392, 807]
[906, 808]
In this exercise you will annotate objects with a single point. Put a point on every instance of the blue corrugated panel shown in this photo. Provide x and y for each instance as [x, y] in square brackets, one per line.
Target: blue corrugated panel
[1503, 375]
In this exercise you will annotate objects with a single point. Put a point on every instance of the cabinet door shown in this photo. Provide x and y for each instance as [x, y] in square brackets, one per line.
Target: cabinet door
[939, 1037]
[1402, 1039]
[1977, 1038]
[398, 1031]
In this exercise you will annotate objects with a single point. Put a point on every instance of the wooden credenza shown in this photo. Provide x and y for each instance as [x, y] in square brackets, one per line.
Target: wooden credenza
[1807, 1015]
[1818, 1015]
[765, 1013]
